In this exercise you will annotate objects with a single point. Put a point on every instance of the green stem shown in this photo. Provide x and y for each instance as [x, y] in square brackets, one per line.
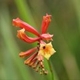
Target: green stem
[51, 70]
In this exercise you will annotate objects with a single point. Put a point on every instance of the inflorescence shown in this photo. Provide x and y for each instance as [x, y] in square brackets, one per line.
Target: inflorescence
[44, 48]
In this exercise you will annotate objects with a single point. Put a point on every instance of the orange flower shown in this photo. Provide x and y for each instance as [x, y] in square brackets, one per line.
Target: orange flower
[36, 55]
[26, 27]
[46, 50]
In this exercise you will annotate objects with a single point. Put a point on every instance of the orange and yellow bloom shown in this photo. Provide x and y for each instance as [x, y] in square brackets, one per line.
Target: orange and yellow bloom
[44, 49]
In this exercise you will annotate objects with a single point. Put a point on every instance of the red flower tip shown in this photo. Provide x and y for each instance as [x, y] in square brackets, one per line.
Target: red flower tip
[16, 22]
[46, 36]
[45, 23]
[47, 18]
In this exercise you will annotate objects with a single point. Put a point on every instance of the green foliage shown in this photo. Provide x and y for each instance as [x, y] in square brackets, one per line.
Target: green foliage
[65, 25]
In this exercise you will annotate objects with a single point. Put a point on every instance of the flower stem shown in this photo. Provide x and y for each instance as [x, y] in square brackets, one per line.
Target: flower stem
[50, 75]
[51, 70]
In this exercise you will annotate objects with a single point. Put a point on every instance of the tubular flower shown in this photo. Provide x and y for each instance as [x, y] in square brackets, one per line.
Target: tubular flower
[19, 23]
[23, 36]
[45, 23]
[44, 48]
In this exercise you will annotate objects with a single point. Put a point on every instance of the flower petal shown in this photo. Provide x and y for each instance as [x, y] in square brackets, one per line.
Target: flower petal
[24, 37]
[19, 23]
[46, 50]
[45, 23]
[27, 53]
[46, 36]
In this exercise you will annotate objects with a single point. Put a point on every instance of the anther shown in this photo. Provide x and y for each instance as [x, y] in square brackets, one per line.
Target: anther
[44, 47]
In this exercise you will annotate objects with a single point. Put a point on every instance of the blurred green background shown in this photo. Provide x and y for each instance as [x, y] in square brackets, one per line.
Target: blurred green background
[65, 26]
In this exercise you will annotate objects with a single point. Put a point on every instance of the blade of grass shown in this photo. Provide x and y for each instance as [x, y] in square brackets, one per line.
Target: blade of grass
[10, 42]
[50, 75]
[67, 57]
[76, 4]
[24, 11]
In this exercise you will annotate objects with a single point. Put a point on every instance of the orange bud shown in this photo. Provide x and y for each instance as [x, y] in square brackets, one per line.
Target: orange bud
[27, 53]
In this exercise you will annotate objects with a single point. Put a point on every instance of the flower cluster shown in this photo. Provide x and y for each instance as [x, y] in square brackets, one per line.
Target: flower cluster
[44, 47]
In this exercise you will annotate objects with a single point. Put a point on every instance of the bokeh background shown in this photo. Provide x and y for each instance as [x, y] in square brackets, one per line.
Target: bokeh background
[65, 26]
